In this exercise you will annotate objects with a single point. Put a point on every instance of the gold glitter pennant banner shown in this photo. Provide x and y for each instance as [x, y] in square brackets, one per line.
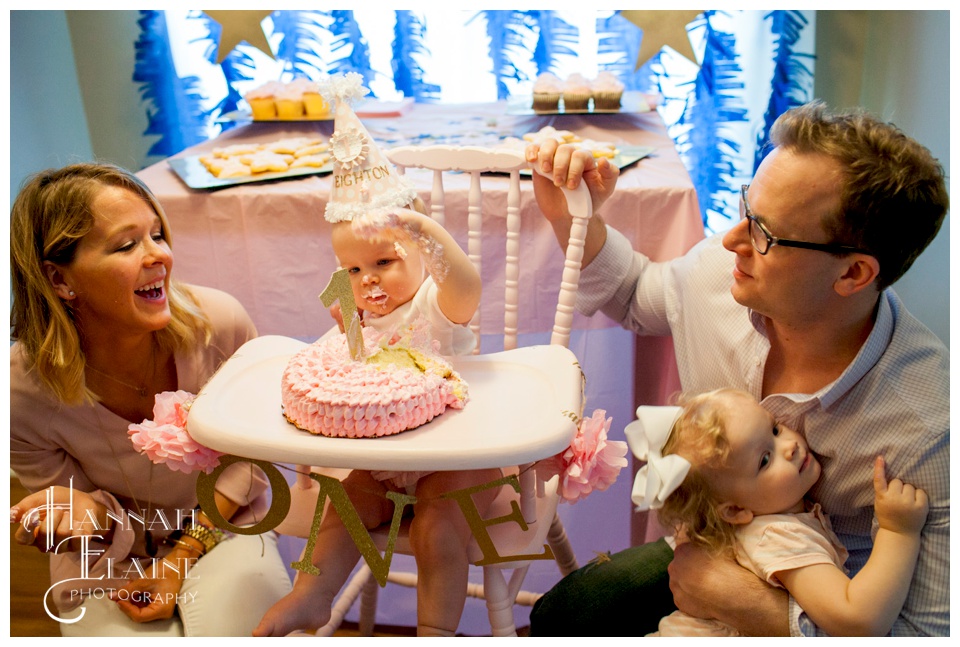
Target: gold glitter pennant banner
[379, 566]
[279, 506]
[478, 525]
[333, 488]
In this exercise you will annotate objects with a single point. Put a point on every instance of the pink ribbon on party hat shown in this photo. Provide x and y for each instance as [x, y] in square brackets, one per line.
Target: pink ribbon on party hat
[646, 436]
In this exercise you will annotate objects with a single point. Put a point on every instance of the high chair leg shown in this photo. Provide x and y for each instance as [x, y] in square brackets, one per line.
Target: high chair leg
[499, 603]
[557, 538]
[347, 597]
[368, 606]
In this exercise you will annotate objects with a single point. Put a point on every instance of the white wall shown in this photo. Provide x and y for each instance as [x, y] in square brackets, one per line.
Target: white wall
[104, 47]
[897, 65]
[47, 124]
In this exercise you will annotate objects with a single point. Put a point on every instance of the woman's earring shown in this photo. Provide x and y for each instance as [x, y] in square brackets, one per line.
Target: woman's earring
[72, 293]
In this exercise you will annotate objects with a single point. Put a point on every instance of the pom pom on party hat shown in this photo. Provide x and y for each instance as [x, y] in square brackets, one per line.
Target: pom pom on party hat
[365, 183]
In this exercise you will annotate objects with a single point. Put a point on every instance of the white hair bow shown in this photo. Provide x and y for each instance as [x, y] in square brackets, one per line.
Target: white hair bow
[661, 475]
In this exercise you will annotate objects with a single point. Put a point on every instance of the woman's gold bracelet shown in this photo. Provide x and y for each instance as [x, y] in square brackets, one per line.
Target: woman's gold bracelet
[204, 535]
[200, 552]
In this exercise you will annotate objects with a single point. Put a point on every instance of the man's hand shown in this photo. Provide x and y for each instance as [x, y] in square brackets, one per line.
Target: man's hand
[567, 165]
[716, 587]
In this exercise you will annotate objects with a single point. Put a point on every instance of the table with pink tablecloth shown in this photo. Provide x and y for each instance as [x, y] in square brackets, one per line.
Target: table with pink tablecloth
[268, 244]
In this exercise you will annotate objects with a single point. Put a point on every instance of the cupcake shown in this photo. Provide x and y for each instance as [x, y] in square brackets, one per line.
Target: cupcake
[313, 104]
[546, 93]
[289, 103]
[607, 91]
[576, 93]
[261, 100]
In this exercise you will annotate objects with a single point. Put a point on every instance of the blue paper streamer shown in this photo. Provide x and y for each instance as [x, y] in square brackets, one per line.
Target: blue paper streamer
[506, 30]
[237, 67]
[300, 48]
[557, 38]
[619, 39]
[350, 44]
[174, 104]
[408, 48]
[792, 81]
[709, 156]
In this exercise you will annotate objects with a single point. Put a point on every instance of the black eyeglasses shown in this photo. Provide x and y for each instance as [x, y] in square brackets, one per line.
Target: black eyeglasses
[763, 240]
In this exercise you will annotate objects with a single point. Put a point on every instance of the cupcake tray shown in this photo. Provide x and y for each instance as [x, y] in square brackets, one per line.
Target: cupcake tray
[370, 109]
[244, 116]
[631, 102]
[196, 176]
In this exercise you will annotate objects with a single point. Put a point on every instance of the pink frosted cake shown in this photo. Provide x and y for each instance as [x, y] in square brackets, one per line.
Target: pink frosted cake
[396, 387]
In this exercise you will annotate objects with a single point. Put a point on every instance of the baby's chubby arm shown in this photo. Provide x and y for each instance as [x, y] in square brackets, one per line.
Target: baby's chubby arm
[868, 604]
[458, 282]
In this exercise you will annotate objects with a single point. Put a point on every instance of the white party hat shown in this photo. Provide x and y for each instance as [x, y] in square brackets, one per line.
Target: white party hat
[365, 183]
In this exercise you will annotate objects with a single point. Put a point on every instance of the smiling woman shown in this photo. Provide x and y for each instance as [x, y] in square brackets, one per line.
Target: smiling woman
[114, 285]
[86, 240]
[100, 330]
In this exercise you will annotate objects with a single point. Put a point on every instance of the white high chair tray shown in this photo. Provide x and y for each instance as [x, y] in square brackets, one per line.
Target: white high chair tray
[521, 409]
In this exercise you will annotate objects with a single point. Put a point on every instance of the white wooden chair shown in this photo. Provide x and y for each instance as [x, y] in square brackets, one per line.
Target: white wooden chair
[538, 501]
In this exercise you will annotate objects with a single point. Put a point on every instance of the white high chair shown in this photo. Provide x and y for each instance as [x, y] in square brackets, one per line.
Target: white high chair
[537, 501]
[537, 507]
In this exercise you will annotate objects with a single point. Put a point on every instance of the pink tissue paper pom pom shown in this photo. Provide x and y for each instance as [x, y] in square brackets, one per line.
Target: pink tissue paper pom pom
[591, 462]
[171, 408]
[164, 440]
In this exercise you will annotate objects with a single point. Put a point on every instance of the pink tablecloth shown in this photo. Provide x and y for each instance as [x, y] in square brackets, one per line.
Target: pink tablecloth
[268, 244]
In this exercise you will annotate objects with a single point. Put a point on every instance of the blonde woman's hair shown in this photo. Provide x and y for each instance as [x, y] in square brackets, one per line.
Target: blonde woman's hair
[699, 435]
[50, 216]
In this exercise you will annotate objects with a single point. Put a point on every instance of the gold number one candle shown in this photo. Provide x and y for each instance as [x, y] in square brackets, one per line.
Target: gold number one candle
[338, 289]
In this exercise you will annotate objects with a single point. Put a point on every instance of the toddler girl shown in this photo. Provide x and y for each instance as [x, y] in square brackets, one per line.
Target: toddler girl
[723, 473]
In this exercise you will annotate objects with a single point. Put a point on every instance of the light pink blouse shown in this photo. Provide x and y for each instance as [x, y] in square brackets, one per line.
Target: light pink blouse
[52, 443]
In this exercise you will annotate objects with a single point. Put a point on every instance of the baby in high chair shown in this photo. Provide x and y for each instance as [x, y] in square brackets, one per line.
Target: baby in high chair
[723, 473]
[403, 266]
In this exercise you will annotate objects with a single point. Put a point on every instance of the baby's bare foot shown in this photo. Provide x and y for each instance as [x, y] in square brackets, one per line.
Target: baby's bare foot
[303, 609]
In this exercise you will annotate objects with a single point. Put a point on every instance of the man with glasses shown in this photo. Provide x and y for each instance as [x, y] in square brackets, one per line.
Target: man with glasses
[794, 305]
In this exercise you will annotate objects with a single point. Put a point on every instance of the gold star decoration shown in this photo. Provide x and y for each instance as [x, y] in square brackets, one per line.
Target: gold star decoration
[662, 28]
[240, 26]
